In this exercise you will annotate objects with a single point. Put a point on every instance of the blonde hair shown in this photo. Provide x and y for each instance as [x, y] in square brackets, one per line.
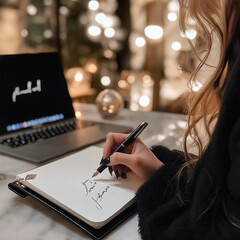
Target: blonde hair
[211, 18]
[219, 17]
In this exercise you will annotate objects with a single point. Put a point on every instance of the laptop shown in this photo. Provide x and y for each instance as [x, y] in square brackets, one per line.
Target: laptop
[37, 119]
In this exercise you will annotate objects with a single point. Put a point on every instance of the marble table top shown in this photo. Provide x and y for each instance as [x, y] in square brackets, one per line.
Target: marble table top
[28, 219]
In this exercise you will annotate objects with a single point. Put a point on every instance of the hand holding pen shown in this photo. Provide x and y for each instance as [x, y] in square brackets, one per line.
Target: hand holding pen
[133, 136]
[136, 156]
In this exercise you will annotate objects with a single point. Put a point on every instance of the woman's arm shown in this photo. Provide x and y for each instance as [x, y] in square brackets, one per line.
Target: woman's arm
[161, 215]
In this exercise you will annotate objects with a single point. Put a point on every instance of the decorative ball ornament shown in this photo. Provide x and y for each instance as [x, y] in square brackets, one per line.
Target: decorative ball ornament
[109, 103]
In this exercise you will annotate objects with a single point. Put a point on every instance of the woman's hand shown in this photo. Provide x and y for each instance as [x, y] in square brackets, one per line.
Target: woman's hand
[137, 157]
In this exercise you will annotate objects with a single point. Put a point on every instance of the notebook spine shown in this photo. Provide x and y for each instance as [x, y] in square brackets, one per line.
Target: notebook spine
[18, 188]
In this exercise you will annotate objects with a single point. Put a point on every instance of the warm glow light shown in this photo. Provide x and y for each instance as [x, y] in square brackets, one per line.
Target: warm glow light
[172, 16]
[144, 101]
[108, 22]
[78, 114]
[24, 32]
[135, 96]
[48, 2]
[100, 18]
[195, 85]
[134, 107]
[176, 46]
[114, 45]
[153, 31]
[147, 78]
[108, 53]
[131, 79]
[109, 32]
[48, 33]
[191, 21]
[94, 31]
[63, 10]
[140, 41]
[105, 80]
[122, 83]
[91, 67]
[93, 5]
[78, 77]
[191, 33]
[31, 9]
[173, 6]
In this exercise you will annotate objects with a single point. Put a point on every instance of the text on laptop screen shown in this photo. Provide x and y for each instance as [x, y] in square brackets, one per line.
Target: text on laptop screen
[33, 91]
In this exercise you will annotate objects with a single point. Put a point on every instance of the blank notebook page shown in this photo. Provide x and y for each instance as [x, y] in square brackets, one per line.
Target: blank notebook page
[67, 182]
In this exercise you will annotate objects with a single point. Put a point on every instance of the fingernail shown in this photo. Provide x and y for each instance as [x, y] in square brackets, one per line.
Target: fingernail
[124, 175]
[105, 161]
[110, 170]
[117, 174]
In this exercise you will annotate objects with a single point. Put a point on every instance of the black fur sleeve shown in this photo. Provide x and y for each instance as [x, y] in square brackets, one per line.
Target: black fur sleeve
[160, 213]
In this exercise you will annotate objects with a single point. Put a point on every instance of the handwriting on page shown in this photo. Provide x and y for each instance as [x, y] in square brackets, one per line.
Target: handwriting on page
[96, 195]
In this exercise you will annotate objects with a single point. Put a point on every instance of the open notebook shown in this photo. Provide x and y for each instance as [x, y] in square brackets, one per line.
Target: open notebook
[67, 183]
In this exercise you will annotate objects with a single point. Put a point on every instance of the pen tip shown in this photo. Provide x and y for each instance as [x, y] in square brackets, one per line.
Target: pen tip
[95, 174]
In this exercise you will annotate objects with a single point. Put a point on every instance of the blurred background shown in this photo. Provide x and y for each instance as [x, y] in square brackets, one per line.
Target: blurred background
[131, 46]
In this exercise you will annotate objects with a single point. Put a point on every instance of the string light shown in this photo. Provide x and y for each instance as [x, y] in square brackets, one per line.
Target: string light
[78, 114]
[100, 18]
[195, 85]
[176, 46]
[153, 31]
[105, 81]
[93, 5]
[108, 53]
[122, 83]
[24, 32]
[94, 31]
[147, 78]
[78, 77]
[144, 101]
[172, 16]
[109, 32]
[191, 33]
[173, 6]
[134, 107]
[31, 9]
[63, 10]
[91, 67]
[140, 41]
[48, 2]
[131, 79]
[48, 33]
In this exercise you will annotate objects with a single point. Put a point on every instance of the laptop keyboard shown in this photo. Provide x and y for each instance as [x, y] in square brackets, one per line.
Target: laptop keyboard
[45, 132]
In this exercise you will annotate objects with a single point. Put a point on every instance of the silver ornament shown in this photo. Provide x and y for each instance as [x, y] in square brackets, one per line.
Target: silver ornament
[109, 103]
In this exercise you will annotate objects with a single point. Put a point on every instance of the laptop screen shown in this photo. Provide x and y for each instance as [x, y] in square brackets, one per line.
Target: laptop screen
[33, 91]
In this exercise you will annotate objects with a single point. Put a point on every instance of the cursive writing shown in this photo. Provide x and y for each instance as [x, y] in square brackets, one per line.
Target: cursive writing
[28, 90]
[89, 186]
[99, 198]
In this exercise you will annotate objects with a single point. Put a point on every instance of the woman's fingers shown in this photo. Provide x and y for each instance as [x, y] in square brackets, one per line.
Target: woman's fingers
[118, 158]
[113, 140]
[120, 170]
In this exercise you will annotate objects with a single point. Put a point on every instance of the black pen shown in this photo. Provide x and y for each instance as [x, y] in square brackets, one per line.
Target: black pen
[133, 135]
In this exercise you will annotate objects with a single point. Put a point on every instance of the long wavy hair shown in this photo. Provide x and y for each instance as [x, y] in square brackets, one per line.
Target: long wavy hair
[212, 18]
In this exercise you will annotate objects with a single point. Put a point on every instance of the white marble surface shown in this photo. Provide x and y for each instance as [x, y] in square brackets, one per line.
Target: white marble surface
[28, 219]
